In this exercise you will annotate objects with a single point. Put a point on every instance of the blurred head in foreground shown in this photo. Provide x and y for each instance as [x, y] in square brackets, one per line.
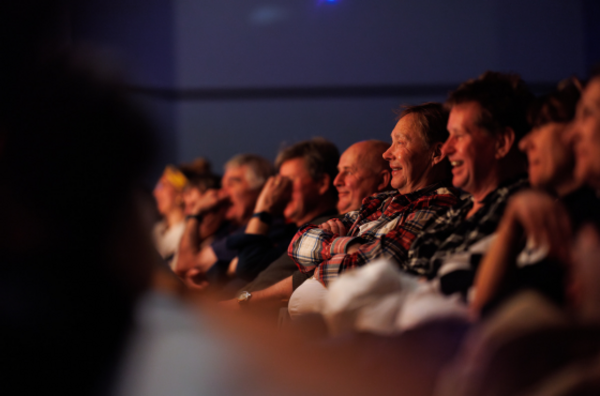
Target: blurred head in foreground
[75, 256]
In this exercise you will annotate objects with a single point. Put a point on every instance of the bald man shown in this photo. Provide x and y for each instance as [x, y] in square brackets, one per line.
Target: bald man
[362, 172]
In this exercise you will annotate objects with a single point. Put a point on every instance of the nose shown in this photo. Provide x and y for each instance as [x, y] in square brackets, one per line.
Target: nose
[339, 179]
[448, 147]
[525, 143]
[387, 154]
[571, 133]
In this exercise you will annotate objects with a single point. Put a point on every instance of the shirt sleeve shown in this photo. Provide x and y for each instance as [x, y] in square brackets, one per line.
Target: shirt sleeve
[312, 245]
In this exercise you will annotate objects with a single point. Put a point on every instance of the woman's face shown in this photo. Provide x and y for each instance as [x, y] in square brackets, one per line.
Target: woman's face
[551, 160]
[167, 197]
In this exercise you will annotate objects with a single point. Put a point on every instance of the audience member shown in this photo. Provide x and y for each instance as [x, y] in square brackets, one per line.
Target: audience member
[168, 193]
[387, 222]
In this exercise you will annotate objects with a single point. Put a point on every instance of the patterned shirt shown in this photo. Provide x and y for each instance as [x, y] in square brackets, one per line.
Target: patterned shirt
[385, 227]
[451, 247]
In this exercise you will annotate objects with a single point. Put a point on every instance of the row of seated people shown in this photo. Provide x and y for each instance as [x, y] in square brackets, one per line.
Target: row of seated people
[459, 232]
[418, 223]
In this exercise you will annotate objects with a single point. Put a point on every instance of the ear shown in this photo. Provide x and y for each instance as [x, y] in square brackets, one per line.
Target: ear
[437, 156]
[324, 184]
[504, 142]
[384, 180]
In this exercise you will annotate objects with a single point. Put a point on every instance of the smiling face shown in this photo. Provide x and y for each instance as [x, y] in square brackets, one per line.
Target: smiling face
[471, 151]
[550, 159]
[585, 135]
[358, 176]
[409, 156]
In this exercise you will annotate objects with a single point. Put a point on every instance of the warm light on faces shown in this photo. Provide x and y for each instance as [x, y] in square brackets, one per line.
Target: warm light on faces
[471, 151]
[242, 198]
[167, 197]
[305, 191]
[355, 179]
[409, 156]
[585, 135]
[550, 159]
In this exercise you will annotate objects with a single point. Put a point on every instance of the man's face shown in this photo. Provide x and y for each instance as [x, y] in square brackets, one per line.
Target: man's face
[305, 191]
[585, 135]
[355, 179]
[236, 188]
[190, 195]
[470, 149]
[409, 156]
[550, 159]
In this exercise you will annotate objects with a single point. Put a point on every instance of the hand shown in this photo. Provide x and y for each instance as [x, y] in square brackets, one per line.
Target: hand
[209, 201]
[583, 290]
[195, 279]
[335, 226]
[274, 196]
[544, 221]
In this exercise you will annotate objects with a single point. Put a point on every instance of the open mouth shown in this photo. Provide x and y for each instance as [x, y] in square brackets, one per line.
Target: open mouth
[456, 163]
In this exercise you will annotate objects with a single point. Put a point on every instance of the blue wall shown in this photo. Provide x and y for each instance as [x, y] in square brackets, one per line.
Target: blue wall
[194, 44]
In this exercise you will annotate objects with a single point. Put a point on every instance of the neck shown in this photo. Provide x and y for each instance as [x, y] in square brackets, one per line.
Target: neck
[508, 168]
[434, 174]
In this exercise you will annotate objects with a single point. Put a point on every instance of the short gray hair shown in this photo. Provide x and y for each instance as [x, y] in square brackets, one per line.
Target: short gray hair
[258, 168]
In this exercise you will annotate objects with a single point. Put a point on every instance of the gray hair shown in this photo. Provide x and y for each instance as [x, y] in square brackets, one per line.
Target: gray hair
[258, 168]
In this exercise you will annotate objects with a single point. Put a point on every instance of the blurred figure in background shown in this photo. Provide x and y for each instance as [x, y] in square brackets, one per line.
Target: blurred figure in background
[168, 194]
[195, 189]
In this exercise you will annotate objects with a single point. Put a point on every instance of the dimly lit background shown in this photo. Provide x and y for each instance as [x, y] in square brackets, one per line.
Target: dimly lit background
[222, 77]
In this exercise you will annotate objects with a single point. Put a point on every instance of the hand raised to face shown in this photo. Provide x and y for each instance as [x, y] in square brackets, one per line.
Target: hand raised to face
[274, 196]
[545, 222]
[209, 201]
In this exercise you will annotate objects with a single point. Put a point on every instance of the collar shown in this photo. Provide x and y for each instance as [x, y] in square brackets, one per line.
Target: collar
[415, 195]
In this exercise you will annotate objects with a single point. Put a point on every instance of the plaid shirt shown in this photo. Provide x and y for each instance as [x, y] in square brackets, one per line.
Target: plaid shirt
[451, 247]
[385, 227]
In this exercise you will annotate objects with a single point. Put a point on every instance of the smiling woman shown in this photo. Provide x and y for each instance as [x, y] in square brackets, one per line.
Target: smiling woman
[415, 154]
[550, 156]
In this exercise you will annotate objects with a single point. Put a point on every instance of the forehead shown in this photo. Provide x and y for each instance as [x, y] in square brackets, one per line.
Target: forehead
[295, 167]
[591, 94]
[464, 116]
[235, 172]
[407, 127]
[351, 157]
